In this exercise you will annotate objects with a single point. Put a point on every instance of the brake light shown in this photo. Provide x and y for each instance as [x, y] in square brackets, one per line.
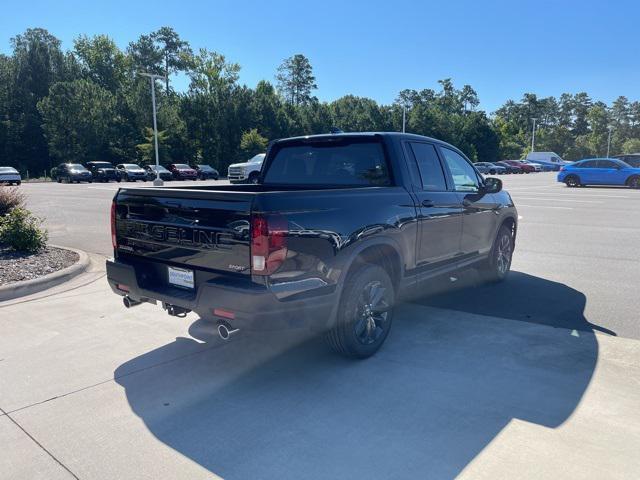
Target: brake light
[114, 240]
[268, 243]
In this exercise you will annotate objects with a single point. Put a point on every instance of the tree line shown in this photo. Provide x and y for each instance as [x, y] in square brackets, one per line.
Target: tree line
[91, 103]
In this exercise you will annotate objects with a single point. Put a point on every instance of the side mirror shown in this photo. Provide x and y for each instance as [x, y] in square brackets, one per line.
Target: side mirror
[492, 185]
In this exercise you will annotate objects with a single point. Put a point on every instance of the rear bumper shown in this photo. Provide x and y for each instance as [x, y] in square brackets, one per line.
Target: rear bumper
[255, 306]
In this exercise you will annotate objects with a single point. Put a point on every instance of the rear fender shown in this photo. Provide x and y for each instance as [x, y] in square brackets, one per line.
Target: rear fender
[350, 258]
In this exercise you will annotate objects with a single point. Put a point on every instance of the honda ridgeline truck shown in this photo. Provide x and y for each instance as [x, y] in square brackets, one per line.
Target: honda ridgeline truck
[337, 229]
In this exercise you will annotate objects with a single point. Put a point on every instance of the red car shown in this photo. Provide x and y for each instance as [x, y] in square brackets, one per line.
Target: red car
[182, 171]
[526, 168]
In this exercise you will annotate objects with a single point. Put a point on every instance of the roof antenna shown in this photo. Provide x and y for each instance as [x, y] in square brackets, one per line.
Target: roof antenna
[335, 130]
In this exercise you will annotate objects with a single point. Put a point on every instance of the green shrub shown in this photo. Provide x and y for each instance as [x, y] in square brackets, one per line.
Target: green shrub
[10, 198]
[21, 231]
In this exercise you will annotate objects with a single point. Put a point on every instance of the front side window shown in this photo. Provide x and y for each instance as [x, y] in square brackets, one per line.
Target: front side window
[464, 175]
[329, 163]
[587, 164]
[429, 166]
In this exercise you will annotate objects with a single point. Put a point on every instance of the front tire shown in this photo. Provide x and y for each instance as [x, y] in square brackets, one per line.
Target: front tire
[572, 181]
[499, 263]
[365, 313]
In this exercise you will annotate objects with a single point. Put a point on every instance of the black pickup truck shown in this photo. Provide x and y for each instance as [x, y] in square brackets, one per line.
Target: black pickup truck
[338, 228]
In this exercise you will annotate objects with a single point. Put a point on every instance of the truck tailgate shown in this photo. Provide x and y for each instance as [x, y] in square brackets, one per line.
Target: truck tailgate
[197, 229]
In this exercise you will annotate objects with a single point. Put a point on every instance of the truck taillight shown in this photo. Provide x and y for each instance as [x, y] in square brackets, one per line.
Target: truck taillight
[114, 240]
[268, 243]
[562, 169]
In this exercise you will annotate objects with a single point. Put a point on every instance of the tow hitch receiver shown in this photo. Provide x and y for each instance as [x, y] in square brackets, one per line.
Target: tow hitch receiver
[175, 311]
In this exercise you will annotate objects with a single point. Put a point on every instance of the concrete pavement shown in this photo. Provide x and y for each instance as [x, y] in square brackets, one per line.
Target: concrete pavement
[525, 379]
[91, 390]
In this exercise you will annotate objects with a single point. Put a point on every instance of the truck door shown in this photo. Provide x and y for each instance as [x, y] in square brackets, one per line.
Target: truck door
[478, 220]
[439, 208]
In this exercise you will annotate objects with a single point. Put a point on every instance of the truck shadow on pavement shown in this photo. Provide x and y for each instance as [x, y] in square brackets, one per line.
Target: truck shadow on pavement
[442, 388]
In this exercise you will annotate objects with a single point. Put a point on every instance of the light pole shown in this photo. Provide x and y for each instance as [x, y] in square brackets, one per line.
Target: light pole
[404, 117]
[533, 135]
[609, 140]
[158, 181]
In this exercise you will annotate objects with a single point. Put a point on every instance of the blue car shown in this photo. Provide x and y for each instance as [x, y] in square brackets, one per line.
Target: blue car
[600, 171]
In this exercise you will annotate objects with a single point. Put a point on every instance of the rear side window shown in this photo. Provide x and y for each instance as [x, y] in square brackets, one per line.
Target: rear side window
[607, 164]
[429, 166]
[329, 163]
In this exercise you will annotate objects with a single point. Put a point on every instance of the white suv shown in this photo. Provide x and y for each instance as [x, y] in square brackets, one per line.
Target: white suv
[246, 172]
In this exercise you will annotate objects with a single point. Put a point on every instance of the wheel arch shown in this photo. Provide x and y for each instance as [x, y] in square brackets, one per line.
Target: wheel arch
[384, 252]
[512, 224]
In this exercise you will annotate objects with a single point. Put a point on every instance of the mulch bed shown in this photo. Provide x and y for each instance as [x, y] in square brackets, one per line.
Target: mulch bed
[16, 267]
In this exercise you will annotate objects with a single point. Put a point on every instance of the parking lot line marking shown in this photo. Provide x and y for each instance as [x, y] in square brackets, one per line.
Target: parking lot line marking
[101, 188]
[559, 200]
[591, 195]
[543, 206]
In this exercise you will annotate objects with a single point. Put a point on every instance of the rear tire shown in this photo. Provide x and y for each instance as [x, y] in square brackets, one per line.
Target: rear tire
[499, 263]
[365, 313]
[633, 182]
[572, 181]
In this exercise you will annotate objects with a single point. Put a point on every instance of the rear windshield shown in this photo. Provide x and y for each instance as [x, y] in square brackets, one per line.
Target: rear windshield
[325, 163]
[182, 166]
[76, 166]
[8, 170]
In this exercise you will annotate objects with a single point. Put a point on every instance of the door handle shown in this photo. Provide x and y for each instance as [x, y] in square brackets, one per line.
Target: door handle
[427, 203]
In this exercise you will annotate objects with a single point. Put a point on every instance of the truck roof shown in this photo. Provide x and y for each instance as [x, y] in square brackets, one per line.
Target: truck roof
[400, 135]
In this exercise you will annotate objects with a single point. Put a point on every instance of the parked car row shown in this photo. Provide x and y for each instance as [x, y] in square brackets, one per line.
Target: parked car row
[511, 166]
[129, 172]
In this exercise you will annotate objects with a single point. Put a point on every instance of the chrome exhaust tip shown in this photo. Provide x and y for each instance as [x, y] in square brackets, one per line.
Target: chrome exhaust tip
[130, 302]
[225, 331]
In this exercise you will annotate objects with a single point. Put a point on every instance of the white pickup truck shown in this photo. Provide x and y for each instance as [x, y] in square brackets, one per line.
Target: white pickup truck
[246, 172]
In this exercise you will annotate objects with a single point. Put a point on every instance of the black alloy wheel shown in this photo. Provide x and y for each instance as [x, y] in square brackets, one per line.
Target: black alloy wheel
[634, 182]
[365, 313]
[499, 263]
[572, 181]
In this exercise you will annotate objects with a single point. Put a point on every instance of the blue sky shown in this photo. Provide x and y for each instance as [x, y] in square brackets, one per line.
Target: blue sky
[375, 48]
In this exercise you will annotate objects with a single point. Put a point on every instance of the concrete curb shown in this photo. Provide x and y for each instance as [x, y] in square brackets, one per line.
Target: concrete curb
[29, 287]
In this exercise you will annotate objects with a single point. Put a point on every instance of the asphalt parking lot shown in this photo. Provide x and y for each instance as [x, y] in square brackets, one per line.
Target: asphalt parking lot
[533, 378]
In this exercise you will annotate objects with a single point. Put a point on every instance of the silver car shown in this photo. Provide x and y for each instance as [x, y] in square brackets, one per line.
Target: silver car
[10, 176]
